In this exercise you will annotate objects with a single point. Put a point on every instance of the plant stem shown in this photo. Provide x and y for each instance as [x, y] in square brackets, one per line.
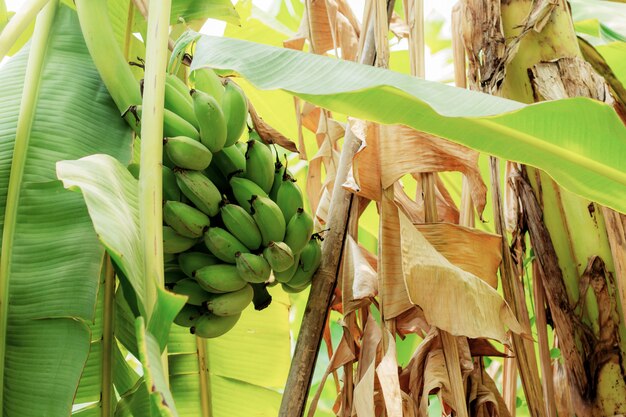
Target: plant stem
[106, 406]
[205, 385]
[30, 94]
[325, 279]
[18, 24]
[106, 53]
[150, 181]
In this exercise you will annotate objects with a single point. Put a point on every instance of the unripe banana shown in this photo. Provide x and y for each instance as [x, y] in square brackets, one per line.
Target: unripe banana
[260, 165]
[232, 303]
[196, 295]
[242, 146]
[279, 256]
[177, 99]
[190, 262]
[170, 258]
[175, 243]
[200, 190]
[299, 230]
[254, 135]
[230, 161]
[223, 245]
[262, 298]
[171, 191]
[220, 277]
[241, 225]
[134, 170]
[289, 197]
[211, 120]
[188, 316]
[244, 189]
[279, 171]
[184, 219]
[173, 124]
[235, 105]
[286, 275]
[310, 259]
[205, 79]
[187, 153]
[268, 218]
[209, 325]
[252, 268]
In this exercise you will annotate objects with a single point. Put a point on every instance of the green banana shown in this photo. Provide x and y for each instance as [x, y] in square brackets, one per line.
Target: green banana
[241, 225]
[184, 219]
[170, 258]
[187, 153]
[310, 259]
[262, 298]
[199, 190]
[231, 303]
[177, 99]
[279, 171]
[220, 277]
[190, 262]
[188, 316]
[205, 79]
[134, 170]
[171, 192]
[299, 230]
[268, 218]
[252, 268]
[175, 243]
[244, 189]
[289, 197]
[209, 325]
[254, 135]
[279, 256]
[211, 120]
[230, 161]
[223, 245]
[242, 146]
[235, 105]
[284, 276]
[259, 165]
[173, 124]
[196, 295]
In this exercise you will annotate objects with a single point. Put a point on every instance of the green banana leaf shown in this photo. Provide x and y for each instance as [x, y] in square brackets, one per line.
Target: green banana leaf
[55, 258]
[559, 137]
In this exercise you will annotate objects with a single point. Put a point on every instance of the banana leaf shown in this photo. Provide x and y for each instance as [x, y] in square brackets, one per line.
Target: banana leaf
[55, 257]
[560, 137]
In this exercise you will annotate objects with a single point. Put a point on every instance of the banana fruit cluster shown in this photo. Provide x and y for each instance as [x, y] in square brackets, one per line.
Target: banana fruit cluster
[234, 218]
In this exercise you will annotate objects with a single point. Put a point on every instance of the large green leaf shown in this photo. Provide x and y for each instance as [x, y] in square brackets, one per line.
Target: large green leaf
[559, 137]
[55, 257]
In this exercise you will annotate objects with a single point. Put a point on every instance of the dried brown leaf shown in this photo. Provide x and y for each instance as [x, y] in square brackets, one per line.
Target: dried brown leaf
[365, 174]
[398, 26]
[404, 150]
[472, 250]
[387, 372]
[268, 133]
[359, 279]
[477, 311]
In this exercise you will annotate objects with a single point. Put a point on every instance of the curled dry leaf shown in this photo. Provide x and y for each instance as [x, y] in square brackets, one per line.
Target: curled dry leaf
[366, 369]
[268, 133]
[477, 311]
[364, 177]
[359, 279]
[471, 250]
[447, 210]
[328, 25]
[387, 372]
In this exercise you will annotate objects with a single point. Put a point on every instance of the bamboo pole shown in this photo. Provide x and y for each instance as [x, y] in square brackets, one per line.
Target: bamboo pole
[325, 279]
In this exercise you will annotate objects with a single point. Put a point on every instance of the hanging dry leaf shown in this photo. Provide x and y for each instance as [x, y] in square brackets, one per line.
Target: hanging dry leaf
[477, 310]
[364, 388]
[470, 249]
[328, 25]
[387, 372]
[393, 292]
[364, 177]
[267, 132]
[359, 279]
[404, 150]
[447, 210]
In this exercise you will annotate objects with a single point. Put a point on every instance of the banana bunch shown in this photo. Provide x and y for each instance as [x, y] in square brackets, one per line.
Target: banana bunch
[234, 218]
